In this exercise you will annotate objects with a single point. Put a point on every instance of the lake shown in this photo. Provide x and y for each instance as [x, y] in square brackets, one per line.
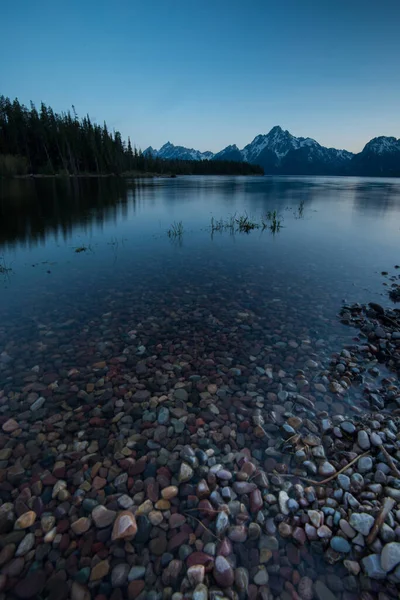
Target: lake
[125, 351]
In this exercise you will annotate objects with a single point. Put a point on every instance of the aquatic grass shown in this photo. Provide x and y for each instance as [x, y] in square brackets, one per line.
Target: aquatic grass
[245, 224]
[4, 268]
[300, 210]
[221, 225]
[176, 230]
[272, 221]
[81, 249]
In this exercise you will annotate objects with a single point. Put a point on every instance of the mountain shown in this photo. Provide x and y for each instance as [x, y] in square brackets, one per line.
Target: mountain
[380, 157]
[170, 152]
[229, 153]
[280, 152]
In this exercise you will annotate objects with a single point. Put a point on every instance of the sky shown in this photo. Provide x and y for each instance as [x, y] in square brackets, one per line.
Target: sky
[211, 73]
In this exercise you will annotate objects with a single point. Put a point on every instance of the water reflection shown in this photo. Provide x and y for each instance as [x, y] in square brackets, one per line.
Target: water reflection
[33, 209]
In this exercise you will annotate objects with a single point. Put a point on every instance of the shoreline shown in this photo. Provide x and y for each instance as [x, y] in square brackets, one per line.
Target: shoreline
[191, 474]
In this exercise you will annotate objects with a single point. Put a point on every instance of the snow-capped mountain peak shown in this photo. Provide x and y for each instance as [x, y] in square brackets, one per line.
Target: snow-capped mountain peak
[382, 144]
[172, 152]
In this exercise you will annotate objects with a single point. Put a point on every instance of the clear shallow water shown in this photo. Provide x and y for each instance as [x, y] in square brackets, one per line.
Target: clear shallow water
[200, 305]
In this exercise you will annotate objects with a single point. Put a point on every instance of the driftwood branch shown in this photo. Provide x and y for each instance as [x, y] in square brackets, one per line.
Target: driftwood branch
[387, 506]
[328, 479]
[390, 462]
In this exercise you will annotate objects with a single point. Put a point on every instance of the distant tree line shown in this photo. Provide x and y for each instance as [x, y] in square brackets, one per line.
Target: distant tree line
[45, 142]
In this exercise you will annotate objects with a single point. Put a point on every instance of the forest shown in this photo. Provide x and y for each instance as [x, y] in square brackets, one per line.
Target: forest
[43, 142]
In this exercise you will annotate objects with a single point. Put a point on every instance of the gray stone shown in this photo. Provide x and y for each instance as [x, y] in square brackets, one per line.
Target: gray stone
[283, 500]
[362, 522]
[185, 473]
[322, 592]
[27, 544]
[38, 403]
[136, 572]
[347, 427]
[364, 464]
[261, 577]
[372, 566]
[363, 440]
[344, 482]
[181, 394]
[376, 439]
[326, 469]
[390, 556]
[200, 592]
[119, 575]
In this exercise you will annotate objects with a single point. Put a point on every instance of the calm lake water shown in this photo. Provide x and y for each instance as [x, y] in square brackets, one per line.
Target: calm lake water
[235, 314]
[347, 234]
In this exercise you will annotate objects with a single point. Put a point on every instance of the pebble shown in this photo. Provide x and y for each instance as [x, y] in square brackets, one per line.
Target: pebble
[390, 556]
[372, 566]
[223, 572]
[363, 440]
[125, 526]
[26, 520]
[362, 522]
[340, 544]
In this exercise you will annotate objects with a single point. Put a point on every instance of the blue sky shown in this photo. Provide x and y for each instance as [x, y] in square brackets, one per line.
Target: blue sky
[211, 73]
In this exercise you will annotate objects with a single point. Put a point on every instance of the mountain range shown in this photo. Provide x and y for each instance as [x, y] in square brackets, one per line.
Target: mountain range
[280, 152]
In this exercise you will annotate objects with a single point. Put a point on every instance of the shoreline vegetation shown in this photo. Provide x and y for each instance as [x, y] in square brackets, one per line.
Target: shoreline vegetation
[43, 143]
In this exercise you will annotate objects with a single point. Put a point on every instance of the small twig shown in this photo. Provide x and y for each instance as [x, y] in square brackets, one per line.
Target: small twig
[211, 510]
[324, 481]
[206, 528]
[390, 462]
[387, 506]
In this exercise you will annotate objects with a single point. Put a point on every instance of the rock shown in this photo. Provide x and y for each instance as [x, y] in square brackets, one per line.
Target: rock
[10, 426]
[103, 517]
[326, 469]
[26, 520]
[135, 588]
[283, 500]
[352, 566]
[390, 556]
[31, 586]
[363, 440]
[362, 522]
[372, 566]
[237, 533]
[305, 588]
[376, 439]
[315, 517]
[242, 579]
[221, 523]
[181, 394]
[100, 570]
[136, 572]
[339, 544]
[344, 482]
[38, 404]
[125, 526]
[185, 473]
[169, 492]
[223, 572]
[200, 592]
[322, 592]
[261, 577]
[79, 592]
[119, 575]
[364, 464]
[81, 526]
[26, 545]
[195, 574]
